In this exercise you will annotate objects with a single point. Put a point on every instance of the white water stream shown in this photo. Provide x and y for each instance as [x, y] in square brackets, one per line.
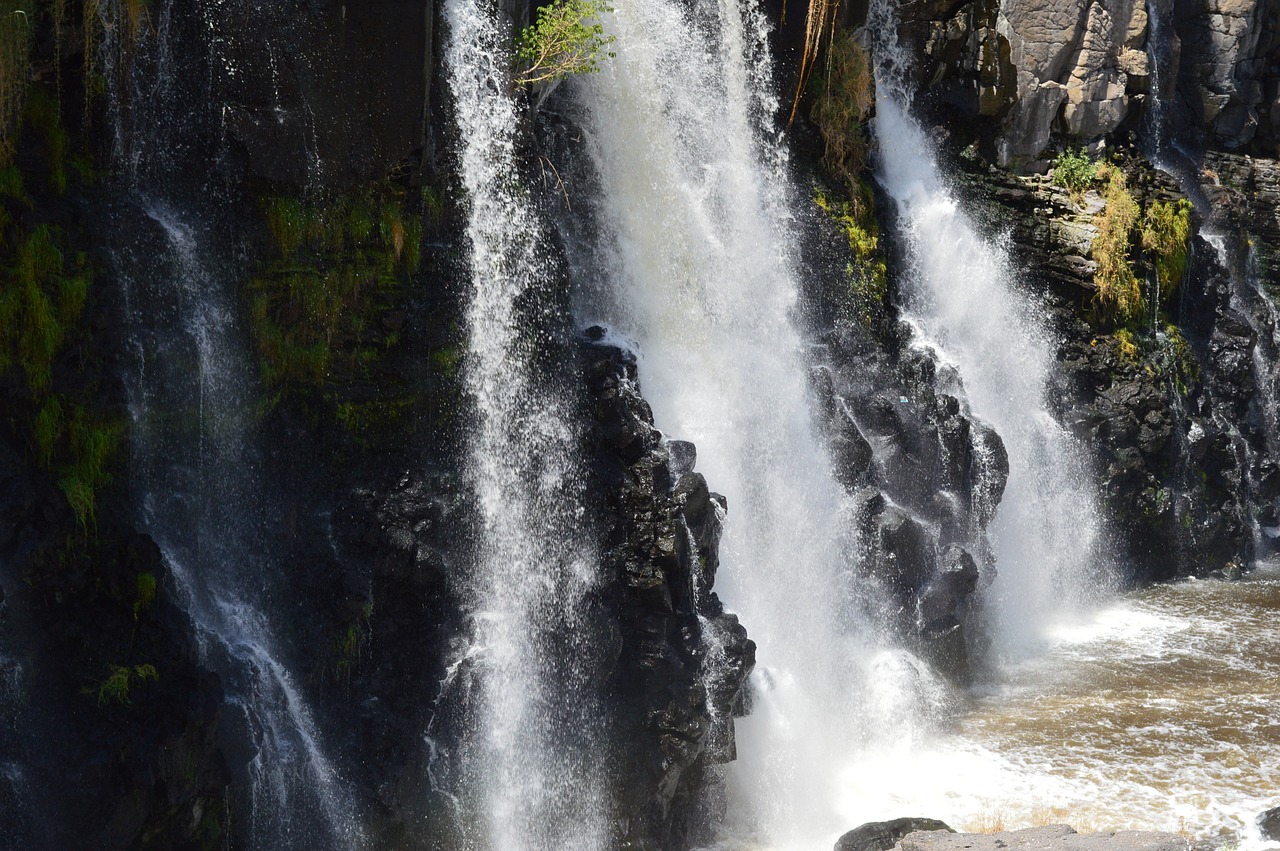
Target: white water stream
[696, 245]
[960, 291]
[531, 764]
[194, 471]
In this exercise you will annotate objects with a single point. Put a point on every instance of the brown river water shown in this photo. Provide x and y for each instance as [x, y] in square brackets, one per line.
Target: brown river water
[1157, 710]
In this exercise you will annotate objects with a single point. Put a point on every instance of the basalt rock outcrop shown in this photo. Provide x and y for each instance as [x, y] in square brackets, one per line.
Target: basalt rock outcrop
[924, 474]
[681, 660]
[883, 835]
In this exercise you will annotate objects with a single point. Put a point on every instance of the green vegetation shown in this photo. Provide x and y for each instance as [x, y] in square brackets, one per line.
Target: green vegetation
[340, 264]
[1166, 233]
[567, 38]
[351, 643]
[866, 274]
[1176, 360]
[364, 420]
[146, 593]
[841, 108]
[1119, 292]
[1166, 353]
[1127, 346]
[115, 688]
[1074, 171]
[89, 444]
[44, 280]
[1164, 236]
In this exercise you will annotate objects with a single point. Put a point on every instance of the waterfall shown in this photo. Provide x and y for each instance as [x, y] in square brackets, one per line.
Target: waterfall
[959, 291]
[530, 762]
[194, 403]
[692, 239]
[192, 463]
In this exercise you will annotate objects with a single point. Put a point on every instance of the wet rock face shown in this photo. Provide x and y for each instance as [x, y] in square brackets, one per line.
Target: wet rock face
[336, 91]
[118, 727]
[925, 477]
[1054, 836]
[682, 661]
[1174, 431]
[405, 536]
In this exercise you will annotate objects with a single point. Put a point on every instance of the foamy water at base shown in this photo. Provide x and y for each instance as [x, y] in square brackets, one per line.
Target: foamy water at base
[1153, 713]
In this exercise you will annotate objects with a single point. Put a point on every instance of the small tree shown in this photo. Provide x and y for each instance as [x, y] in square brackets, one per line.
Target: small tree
[567, 38]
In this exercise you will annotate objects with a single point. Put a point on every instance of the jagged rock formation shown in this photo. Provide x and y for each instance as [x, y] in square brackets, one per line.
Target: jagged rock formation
[926, 477]
[682, 661]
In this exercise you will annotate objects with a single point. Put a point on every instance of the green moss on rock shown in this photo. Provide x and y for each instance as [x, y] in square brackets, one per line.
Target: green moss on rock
[339, 265]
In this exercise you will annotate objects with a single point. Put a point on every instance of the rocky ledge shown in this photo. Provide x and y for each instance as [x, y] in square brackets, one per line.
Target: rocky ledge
[913, 834]
[1054, 837]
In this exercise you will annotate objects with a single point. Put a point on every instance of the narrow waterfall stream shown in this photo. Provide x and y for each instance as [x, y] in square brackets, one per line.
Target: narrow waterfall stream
[530, 765]
[1105, 712]
[209, 535]
[959, 292]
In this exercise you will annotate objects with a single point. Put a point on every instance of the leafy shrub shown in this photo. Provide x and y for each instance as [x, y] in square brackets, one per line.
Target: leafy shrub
[567, 38]
[1074, 171]
[1127, 346]
[115, 688]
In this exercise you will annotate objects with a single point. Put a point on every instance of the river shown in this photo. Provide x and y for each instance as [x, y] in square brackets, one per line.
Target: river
[1152, 712]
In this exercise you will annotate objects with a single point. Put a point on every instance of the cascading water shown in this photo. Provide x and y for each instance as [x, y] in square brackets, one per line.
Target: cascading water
[208, 533]
[528, 767]
[957, 289]
[193, 403]
[694, 239]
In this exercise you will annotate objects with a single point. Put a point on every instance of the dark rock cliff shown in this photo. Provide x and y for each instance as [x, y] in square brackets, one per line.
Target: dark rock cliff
[1179, 439]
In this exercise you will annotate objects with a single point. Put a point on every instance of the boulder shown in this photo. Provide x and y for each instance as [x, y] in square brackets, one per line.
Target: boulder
[883, 835]
[1269, 824]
